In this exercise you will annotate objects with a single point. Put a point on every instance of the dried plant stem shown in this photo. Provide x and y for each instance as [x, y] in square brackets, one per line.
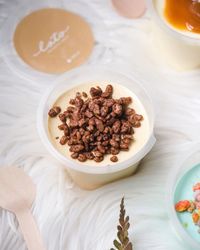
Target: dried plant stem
[122, 242]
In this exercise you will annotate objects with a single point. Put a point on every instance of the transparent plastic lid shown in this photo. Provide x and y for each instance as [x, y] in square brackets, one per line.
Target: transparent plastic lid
[44, 39]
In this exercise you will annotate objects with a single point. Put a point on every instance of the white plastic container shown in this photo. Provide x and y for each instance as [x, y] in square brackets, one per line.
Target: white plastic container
[192, 159]
[91, 177]
[177, 49]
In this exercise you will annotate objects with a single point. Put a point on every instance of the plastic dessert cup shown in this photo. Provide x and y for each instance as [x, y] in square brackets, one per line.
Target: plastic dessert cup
[181, 183]
[91, 177]
[179, 50]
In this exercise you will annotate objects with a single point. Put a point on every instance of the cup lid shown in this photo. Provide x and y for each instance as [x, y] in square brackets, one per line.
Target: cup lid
[130, 8]
[45, 40]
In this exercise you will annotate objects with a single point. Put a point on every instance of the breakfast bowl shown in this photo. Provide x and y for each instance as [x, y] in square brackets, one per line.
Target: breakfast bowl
[184, 200]
[90, 174]
[179, 48]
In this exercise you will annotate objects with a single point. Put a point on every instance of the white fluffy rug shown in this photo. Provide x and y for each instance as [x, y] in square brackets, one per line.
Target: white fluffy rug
[74, 219]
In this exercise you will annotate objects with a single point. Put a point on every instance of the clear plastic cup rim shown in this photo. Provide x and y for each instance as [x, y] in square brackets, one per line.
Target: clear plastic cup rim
[91, 72]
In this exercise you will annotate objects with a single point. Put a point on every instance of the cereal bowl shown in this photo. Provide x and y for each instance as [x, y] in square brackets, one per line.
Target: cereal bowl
[90, 174]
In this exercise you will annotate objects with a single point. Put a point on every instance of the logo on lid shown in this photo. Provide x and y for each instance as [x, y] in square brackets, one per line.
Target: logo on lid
[53, 40]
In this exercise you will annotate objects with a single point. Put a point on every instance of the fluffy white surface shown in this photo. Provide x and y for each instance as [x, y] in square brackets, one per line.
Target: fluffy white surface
[74, 219]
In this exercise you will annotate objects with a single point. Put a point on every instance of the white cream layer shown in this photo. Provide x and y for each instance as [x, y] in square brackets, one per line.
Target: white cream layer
[141, 134]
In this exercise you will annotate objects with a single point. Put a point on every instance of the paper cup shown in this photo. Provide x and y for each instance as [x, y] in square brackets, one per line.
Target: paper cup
[178, 50]
[91, 177]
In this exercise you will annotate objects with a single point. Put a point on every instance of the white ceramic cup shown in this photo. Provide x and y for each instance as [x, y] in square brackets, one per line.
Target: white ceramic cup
[91, 177]
[180, 51]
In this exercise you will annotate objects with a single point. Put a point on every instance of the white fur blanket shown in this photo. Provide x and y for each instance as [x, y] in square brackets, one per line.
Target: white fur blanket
[74, 219]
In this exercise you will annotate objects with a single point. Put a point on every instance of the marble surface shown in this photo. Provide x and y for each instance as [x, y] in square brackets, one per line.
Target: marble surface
[74, 219]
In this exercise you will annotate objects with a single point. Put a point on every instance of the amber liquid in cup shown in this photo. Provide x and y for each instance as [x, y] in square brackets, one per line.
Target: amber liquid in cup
[183, 15]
